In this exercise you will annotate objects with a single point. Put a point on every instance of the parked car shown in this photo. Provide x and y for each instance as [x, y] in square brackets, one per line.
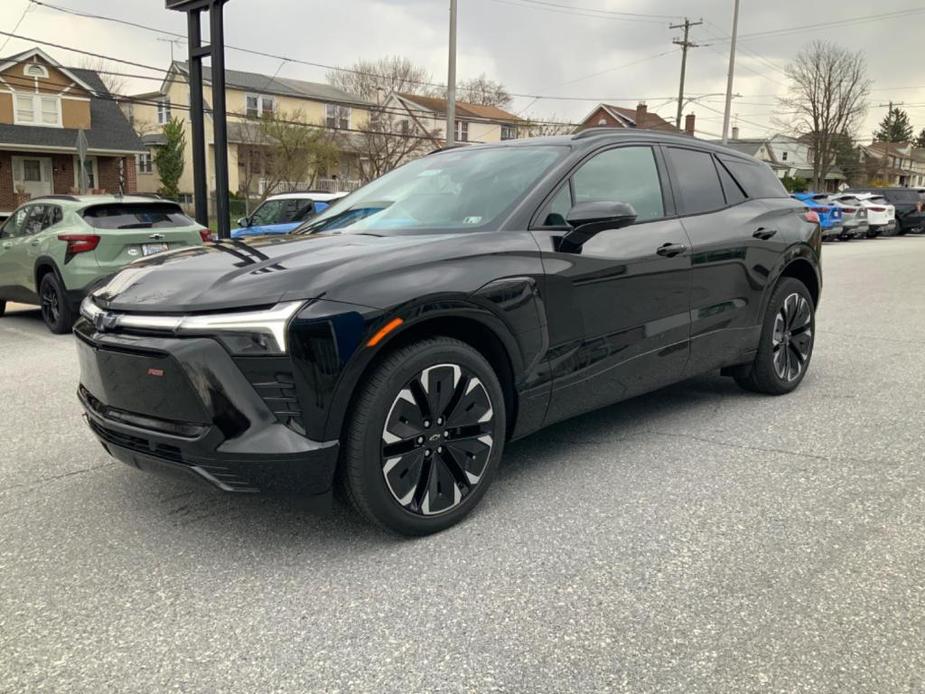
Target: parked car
[881, 215]
[830, 216]
[280, 214]
[854, 218]
[908, 205]
[465, 299]
[55, 247]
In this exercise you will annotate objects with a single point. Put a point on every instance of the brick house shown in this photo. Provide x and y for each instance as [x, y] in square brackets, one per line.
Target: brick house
[610, 116]
[43, 107]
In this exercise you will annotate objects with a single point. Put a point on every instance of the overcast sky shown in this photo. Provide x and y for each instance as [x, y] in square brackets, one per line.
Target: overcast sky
[534, 47]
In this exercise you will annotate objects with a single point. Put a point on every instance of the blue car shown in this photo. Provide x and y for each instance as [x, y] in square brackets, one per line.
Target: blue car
[280, 214]
[830, 216]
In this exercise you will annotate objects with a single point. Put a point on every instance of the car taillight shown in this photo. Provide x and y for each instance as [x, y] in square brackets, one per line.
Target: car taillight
[820, 210]
[80, 243]
[206, 235]
[849, 210]
[811, 216]
[877, 209]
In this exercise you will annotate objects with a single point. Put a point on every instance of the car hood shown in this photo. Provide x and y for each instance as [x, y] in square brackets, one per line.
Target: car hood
[234, 274]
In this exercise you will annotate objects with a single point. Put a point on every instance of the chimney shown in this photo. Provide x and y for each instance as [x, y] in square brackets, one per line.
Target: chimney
[735, 132]
[689, 124]
[641, 112]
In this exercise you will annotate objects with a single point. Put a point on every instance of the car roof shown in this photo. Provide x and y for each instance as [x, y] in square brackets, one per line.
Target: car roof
[319, 196]
[595, 136]
[85, 200]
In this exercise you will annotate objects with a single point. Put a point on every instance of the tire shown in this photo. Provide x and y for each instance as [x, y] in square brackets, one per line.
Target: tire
[787, 338]
[413, 479]
[56, 311]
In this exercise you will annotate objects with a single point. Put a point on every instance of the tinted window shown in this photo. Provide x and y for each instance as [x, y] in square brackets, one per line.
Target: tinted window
[626, 174]
[284, 211]
[144, 215]
[697, 181]
[757, 179]
[733, 191]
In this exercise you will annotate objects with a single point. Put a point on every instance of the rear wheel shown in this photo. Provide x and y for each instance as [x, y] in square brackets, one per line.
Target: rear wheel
[56, 311]
[425, 437]
[787, 339]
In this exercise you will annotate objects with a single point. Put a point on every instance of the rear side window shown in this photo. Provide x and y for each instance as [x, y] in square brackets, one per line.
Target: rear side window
[145, 215]
[731, 187]
[756, 179]
[697, 181]
[625, 174]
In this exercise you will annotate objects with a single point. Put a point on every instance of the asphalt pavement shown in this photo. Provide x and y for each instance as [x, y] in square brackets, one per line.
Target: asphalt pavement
[698, 539]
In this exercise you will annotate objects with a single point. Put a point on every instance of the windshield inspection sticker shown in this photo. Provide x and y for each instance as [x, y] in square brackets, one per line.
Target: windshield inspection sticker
[472, 220]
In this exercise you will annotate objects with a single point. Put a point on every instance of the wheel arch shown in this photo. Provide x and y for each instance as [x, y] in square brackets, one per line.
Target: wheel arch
[45, 264]
[802, 269]
[499, 350]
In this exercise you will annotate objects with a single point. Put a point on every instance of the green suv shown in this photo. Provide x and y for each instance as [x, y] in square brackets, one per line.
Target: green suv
[54, 248]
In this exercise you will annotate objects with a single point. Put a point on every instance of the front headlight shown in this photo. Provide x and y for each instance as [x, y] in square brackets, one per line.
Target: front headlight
[243, 332]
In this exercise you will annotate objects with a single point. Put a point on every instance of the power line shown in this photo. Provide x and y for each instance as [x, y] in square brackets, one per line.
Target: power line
[588, 12]
[21, 18]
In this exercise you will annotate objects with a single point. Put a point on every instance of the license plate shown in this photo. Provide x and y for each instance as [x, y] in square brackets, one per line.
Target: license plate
[152, 248]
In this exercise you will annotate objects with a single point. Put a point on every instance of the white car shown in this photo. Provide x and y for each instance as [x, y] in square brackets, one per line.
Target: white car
[881, 215]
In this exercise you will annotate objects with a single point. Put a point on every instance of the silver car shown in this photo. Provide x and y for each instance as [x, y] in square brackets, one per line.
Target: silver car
[854, 217]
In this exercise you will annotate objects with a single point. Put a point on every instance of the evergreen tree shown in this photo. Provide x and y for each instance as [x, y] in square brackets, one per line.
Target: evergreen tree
[895, 126]
[920, 140]
[169, 159]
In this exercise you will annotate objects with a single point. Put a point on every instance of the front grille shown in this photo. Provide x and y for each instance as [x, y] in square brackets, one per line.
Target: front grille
[138, 444]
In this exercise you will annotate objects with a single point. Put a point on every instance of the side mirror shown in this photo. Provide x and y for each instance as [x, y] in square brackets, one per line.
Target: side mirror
[587, 219]
[244, 222]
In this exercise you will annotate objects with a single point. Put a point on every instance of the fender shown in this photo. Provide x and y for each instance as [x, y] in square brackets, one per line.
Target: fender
[798, 251]
[46, 260]
[329, 343]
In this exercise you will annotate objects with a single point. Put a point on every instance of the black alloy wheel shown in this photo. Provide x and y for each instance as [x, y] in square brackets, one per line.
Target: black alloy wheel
[425, 436]
[56, 312]
[787, 339]
[792, 339]
[437, 439]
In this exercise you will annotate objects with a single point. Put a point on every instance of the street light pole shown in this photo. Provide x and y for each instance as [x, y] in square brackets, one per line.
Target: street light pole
[451, 81]
[732, 67]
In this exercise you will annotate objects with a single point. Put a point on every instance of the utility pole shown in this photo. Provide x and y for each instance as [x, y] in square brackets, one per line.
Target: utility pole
[732, 69]
[685, 44]
[451, 82]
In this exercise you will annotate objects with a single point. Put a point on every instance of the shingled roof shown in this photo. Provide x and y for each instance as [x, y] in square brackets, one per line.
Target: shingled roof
[463, 109]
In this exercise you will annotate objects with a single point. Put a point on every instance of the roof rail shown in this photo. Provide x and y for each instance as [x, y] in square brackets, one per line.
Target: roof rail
[597, 130]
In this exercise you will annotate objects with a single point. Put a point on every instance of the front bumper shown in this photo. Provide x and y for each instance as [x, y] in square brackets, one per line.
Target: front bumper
[185, 407]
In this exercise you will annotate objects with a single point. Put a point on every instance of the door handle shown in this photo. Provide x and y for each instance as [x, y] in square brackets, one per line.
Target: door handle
[764, 234]
[670, 250]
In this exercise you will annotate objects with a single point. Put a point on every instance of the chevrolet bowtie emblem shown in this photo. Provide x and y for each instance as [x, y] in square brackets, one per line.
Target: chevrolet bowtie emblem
[105, 321]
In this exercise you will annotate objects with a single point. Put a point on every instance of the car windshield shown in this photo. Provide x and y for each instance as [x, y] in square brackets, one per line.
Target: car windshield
[457, 190]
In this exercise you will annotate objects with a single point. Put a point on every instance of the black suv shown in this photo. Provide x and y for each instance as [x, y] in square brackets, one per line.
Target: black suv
[908, 202]
[468, 298]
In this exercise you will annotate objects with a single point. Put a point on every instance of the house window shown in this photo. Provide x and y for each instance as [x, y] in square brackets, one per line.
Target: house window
[145, 163]
[337, 116]
[508, 132]
[31, 171]
[783, 156]
[405, 127]
[36, 109]
[163, 111]
[462, 131]
[259, 106]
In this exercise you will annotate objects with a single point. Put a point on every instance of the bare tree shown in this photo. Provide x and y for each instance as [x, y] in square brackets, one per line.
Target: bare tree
[483, 91]
[386, 142]
[254, 150]
[114, 83]
[298, 151]
[828, 91]
[376, 79]
[544, 128]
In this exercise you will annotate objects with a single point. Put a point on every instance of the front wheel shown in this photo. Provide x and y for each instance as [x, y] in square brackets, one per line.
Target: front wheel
[787, 338]
[56, 311]
[425, 437]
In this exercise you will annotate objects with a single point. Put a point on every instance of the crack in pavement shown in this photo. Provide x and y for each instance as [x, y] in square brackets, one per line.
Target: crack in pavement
[37, 483]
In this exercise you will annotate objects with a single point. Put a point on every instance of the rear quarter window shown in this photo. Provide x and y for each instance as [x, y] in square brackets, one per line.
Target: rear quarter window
[158, 215]
[756, 178]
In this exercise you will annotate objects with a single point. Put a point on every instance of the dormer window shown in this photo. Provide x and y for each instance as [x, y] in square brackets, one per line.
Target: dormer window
[36, 70]
[38, 109]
